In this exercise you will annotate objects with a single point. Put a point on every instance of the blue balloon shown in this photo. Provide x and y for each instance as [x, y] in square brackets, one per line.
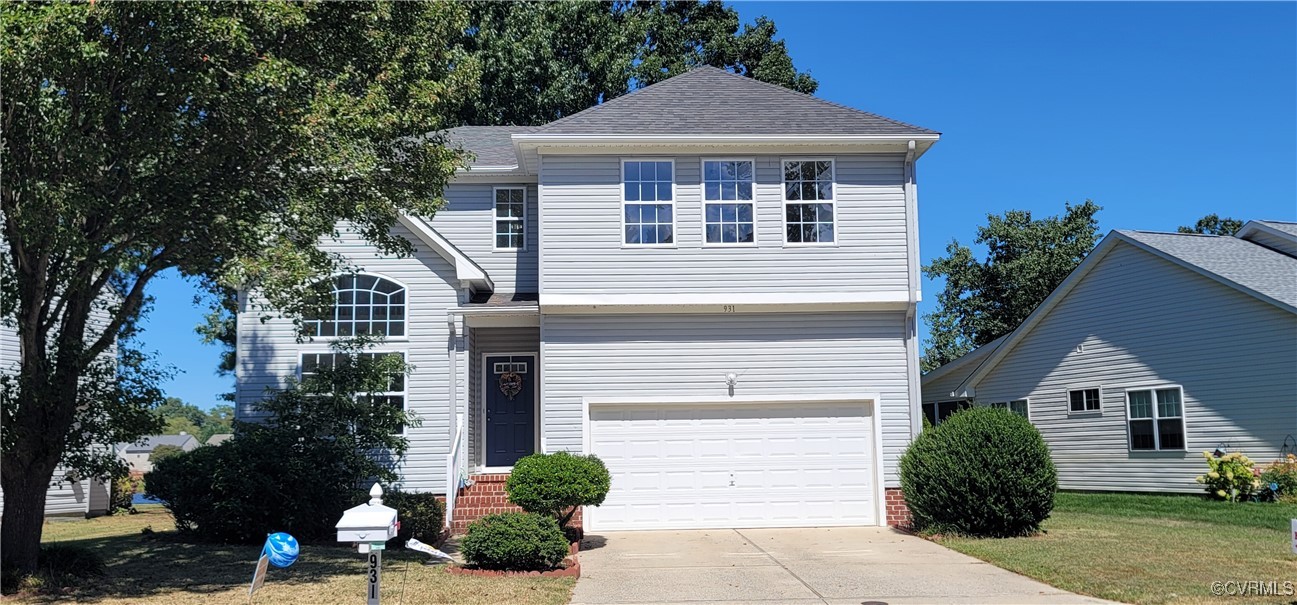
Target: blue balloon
[281, 549]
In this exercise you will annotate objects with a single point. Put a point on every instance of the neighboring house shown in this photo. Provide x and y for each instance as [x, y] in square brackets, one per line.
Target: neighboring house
[1159, 346]
[68, 494]
[136, 455]
[219, 438]
[710, 283]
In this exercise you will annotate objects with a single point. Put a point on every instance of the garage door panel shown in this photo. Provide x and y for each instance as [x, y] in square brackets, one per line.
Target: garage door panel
[713, 466]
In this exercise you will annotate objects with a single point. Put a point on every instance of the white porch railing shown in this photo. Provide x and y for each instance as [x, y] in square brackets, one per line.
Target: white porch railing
[456, 469]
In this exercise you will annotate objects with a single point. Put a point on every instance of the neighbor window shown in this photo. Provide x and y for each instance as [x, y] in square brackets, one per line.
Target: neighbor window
[808, 201]
[1017, 406]
[1083, 400]
[1156, 418]
[648, 202]
[727, 195]
[363, 304]
[393, 395]
[938, 412]
[510, 218]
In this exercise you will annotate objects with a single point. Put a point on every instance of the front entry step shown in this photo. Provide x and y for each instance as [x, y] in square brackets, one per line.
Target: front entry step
[486, 496]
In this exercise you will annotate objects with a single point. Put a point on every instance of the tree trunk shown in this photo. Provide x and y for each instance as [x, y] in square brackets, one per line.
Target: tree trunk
[24, 511]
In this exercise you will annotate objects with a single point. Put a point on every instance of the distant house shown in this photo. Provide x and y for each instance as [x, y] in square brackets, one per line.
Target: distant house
[219, 438]
[1157, 347]
[137, 454]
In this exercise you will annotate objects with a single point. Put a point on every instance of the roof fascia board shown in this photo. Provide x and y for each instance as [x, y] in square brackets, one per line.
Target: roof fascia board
[1256, 226]
[465, 269]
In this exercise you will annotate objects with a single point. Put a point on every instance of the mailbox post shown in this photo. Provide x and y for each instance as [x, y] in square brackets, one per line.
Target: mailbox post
[369, 526]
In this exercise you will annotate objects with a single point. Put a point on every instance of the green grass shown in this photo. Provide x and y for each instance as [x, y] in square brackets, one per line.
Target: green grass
[161, 568]
[1149, 548]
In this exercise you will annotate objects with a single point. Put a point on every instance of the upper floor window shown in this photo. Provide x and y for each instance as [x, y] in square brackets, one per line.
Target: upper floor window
[510, 218]
[1081, 401]
[1156, 419]
[727, 196]
[648, 200]
[808, 202]
[393, 394]
[363, 304]
[1017, 406]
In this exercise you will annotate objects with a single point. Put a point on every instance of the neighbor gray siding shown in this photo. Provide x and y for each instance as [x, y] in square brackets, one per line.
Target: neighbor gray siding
[793, 354]
[1143, 321]
[468, 222]
[269, 354]
[582, 230]
[486, 341]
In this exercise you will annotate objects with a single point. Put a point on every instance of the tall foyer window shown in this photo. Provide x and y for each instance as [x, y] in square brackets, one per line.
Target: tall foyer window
[510, 218]
[363, 304]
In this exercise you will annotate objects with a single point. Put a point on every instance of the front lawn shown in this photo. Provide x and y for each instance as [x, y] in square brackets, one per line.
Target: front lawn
[1150, 549]
[155, 568]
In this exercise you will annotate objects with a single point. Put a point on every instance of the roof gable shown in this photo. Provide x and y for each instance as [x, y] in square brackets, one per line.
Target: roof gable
[1242, 265]
[711, 101]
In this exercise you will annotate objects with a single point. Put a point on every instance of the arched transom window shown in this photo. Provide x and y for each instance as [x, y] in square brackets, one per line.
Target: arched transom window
[363, 304]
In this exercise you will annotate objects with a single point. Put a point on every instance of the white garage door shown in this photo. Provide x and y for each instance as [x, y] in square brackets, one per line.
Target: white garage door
[718, 466]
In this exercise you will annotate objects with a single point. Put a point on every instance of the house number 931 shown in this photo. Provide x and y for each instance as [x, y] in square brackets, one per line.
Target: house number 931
[728, 308]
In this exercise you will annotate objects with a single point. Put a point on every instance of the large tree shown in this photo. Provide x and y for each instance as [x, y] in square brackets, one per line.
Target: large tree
[219, 139]
[1213, 224]
[985, 299]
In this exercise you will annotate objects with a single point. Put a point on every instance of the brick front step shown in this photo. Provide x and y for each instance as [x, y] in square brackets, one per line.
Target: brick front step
[486, 496]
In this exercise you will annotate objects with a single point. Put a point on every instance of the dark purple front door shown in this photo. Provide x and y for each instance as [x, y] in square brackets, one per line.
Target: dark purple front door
[510, 408]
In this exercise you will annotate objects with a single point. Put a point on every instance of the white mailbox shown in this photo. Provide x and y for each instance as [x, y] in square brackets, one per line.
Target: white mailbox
[370, 524]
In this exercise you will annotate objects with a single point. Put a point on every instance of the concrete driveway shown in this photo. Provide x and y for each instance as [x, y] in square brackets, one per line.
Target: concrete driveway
[850, 565]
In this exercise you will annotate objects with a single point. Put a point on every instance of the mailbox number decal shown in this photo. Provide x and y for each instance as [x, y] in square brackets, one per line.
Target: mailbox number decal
[373, 576]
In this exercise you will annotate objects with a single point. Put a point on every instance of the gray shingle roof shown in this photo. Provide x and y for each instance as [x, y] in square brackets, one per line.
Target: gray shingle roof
[1241, 262]
[711, 101]
[1289, 228]
[149, 442]
[490, 144]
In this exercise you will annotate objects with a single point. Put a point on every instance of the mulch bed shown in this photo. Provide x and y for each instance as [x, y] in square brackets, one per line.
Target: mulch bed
[571, 568]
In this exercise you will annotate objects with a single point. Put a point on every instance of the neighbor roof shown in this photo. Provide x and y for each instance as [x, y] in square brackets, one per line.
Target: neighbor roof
[149, 442]
[1286, 227]
[490, 145]
[711, 101]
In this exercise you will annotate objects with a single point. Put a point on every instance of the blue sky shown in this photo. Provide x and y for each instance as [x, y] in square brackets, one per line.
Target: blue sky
[1159, 112]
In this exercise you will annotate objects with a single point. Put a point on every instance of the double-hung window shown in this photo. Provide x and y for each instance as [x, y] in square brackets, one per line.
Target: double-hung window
[391, 397]
[727, 200]
[510, 218]
[1156, 419]
[1084, 401]
[648, 202]
[1017, 406]
[808, 202]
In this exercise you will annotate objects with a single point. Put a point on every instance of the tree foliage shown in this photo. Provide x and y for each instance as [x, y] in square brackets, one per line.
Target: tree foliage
[1213, 225]
[180, 417]
[223, 140]
[985, 299]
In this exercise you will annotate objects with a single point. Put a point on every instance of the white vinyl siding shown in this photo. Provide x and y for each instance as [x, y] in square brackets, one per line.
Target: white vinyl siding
[1232, 355]
[584, 253]
[467, 221]
[797, 355]
[269, 354]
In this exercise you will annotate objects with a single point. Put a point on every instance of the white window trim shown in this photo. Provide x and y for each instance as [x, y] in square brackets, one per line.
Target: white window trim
[405, 382]
[1067, 401]
[404, 338]
[783, 207]
[621, 193]
[1157, 432]
[702, 196]
[496, 219]
[1027, 401]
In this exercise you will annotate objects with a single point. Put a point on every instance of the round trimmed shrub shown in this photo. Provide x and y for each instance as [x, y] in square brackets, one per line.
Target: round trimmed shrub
[981, 472]
[556, 484]
[422, 516]
[514, 542]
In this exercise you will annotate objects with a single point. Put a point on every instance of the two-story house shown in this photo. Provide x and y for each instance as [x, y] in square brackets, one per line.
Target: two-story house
[710, 283]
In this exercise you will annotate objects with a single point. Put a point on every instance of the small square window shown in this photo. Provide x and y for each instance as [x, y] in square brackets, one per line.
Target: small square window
[1083, 400]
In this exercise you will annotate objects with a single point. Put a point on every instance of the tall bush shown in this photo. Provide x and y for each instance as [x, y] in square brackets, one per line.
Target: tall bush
[296, 472]
[422, 515]
[1229, 477]
[557, 484]
[981, 472]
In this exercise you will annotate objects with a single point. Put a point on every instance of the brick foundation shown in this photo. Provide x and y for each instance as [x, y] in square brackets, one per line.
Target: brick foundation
[486, 497]
[898, 513]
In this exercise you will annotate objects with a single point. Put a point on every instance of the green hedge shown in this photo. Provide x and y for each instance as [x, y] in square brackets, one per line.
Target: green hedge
[514, 542]
[981, 472]
[422, 516]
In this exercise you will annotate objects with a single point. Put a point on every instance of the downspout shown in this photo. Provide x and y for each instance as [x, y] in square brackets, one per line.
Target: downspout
[915, 291]
[452, 346]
